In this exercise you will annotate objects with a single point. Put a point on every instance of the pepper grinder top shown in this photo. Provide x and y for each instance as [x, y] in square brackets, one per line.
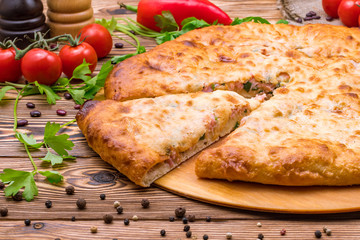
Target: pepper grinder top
[19, 18]
[69, 16]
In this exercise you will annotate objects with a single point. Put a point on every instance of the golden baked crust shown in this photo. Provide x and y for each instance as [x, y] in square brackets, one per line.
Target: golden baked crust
[145, 138]
[227, 57]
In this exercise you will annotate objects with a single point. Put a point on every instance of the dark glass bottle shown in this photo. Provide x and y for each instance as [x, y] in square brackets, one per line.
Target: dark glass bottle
[21, 17]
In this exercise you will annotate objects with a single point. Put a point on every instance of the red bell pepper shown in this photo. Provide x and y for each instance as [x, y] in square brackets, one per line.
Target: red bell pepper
[180, 9]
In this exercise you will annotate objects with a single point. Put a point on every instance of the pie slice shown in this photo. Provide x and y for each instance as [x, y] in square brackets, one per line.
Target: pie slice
[146, 138]
[307, 134]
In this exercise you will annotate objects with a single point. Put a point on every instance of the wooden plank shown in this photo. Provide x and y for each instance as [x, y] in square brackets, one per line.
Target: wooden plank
[142, 229]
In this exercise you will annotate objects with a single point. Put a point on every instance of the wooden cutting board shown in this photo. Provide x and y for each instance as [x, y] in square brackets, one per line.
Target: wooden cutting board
[254, 196]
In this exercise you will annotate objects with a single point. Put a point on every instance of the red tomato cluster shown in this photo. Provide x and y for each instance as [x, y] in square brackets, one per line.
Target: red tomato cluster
[347, 10]
[46, 67]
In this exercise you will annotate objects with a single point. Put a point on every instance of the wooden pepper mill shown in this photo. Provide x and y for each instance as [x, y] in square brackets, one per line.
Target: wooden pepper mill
[19, 18]
[69, 16]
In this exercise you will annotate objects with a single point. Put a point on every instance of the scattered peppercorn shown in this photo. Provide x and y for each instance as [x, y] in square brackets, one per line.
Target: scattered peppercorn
[73, 218]
[208, 219]
[135, 218]
[17, 196]
[282, 232]
[145, 203]
[102, 196]
[67, 96]
[48, 204]
[308, 18]
[299, 20]
[93, 229]
[318, 234]
[3, 211]
[180, 212]
[185, 220]
[205, 237]
[228, 235]
[70, 190]
[324, 229]
[22, 122]
[119, 45]
[260, 236]
[30, 105]
[313, 13]
[81, 203]
[259, 224]
[328, 232]
[77, 106]
[132, 31]
[162, 232]
[329, 19]
[188, 234]
[316, 17]
[61, 112]
[126, 221]
[191, 218]
[2, 185]
[171, 219]
[186, 228]
[35, 113]
[108, 218]
[116, 204]
[119, 209]
[27, 222]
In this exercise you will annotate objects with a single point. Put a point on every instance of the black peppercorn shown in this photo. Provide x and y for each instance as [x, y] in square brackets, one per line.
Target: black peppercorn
[73, 218]
[70, 190]
[2, 185]
[22, 122]
[180, 212]
[48, 204]
[81, 203]
[119, 209]
[17, 196]
[102, 196]
[67, 96]
[119, 45]
[186, 228]
[30, 105]
[171, 219]
[3, 211]
[126, 221]
[205, 237]
[61, 112]
[35, 113]
[162, 232]
[191, 218]
[145, 203]
[188, 234]
[108, 218]
[208, 219]
[185, 220]
[27, 222]
[318, 234]
[260, 236]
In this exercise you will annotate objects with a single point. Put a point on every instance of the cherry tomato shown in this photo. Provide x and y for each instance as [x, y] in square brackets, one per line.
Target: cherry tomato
[71, 57]
[98, 37]
[42, 66]
[349, 12]
[331, 7]
[10, 69]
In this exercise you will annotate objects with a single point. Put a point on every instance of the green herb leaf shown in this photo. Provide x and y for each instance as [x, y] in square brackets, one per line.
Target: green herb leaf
[62, 82]
[250, 19]
[121, 58]
[52, 176]
[4, 90]
[195, 23]
[59, 143]
[19, 179]
[54, 159]
[77, 95]
[282, 21]
[104, 72]
[109, 25]
[28, 140]
[30, 90]
[51, 96]
[236, 125]
[166, 22]
[247, 86]
[82, 71]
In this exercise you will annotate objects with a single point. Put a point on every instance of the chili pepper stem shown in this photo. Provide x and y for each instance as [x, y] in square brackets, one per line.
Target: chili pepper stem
[128, 7]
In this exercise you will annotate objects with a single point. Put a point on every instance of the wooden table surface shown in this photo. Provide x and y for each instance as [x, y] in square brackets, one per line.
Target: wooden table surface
[91, 177]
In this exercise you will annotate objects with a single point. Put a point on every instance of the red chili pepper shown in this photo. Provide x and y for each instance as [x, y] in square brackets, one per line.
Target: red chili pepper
[180, 9]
